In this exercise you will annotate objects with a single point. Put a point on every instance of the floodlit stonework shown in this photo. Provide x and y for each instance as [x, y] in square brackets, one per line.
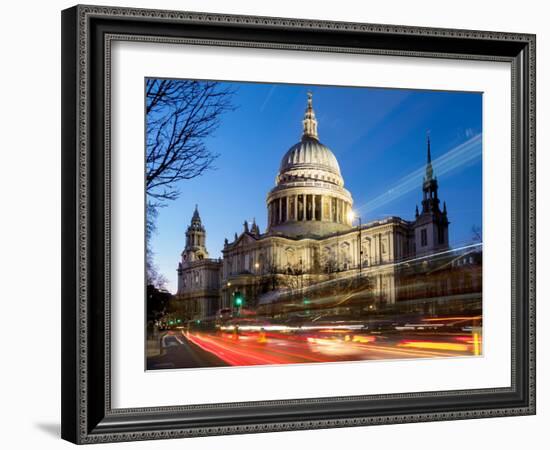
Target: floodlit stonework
[312, 239]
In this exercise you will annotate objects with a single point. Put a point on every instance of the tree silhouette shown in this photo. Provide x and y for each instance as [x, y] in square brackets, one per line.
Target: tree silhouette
[476, 233]
[181, 114]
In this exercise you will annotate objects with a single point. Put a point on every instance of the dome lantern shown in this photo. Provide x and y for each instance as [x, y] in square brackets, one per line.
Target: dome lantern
[310, 122]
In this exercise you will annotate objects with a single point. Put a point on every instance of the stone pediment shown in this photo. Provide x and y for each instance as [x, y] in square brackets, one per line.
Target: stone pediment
[243, 240]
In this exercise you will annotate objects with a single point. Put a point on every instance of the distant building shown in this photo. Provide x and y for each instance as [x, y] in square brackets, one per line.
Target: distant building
[198, 275]
[310, 238]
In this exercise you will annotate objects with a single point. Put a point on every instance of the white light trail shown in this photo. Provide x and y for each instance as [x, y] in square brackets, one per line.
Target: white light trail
[454, 158]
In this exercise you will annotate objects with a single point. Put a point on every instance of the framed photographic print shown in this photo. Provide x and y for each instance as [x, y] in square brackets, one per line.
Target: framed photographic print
[278, 224]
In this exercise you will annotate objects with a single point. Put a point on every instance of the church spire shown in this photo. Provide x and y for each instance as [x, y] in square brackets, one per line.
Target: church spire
[196, 222]
[431, 225]
[196, 217]
[429, 168]
[310, 122]
[195, 239]
[255, 229]
[430, 203]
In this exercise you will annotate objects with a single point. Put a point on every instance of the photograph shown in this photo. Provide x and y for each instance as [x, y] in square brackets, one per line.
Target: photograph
[301, 224]
[301, 219]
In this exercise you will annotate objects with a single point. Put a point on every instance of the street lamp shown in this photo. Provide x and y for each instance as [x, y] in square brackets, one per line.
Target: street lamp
[227, 294]
[351, 217]
[256, 287]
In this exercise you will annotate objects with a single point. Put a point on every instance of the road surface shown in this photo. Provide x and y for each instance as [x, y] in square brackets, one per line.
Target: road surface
[178, 353]
[215, 349]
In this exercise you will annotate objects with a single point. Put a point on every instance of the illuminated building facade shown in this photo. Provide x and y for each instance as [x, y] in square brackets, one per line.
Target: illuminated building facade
[312, 237]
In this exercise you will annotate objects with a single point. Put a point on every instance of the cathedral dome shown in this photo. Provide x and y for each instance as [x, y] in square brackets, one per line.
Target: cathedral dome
[309, 159]
[310, 154]
[309, 198]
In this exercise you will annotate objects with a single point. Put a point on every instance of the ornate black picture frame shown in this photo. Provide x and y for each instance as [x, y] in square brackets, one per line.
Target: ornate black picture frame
[87, 35]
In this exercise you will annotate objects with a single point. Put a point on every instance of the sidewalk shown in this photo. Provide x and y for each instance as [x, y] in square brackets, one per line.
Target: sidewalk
[153, 346]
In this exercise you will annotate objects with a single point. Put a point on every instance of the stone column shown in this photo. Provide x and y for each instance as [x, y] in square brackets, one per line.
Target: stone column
[313, 206]
[286, 208]
[345, 213]
[374, 248]
[280, 209]
[391, 289]
[397, 246]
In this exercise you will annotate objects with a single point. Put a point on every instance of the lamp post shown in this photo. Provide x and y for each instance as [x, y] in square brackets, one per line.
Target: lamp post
[228, 295]
[352, 216]
[256, 282]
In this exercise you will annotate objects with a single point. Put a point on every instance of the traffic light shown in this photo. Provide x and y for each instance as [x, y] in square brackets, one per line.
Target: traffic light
[238, 301]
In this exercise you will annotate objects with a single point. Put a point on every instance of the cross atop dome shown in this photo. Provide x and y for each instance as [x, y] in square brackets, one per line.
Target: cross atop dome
[310, 122]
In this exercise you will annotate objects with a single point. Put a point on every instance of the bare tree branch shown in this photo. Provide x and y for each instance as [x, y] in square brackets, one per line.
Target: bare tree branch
[181, 114]
[476, 233]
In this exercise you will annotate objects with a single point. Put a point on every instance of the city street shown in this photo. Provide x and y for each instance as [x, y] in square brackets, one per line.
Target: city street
[183, 349]
[178, 352]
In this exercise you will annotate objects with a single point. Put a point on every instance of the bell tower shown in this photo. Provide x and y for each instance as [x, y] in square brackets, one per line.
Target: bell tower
[431, 227]
[195, 240]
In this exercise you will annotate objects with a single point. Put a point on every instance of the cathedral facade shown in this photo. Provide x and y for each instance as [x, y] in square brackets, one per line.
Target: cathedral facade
[312, 237]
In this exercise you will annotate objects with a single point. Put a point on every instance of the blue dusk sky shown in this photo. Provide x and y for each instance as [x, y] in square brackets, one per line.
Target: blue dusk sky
[377, 135]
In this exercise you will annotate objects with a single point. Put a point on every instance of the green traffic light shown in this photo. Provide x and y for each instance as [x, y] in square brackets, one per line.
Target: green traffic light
[238, 301]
